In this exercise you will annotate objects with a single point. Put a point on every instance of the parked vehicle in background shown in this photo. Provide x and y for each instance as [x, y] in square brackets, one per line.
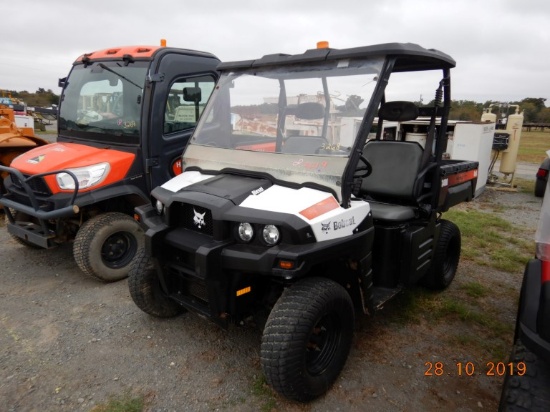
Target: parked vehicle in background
[285, 215]
[125, 115]
[527, 383]
[16, 135]
[542, 177]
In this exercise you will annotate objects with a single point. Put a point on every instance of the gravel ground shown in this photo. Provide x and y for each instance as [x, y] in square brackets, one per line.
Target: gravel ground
[69, 343]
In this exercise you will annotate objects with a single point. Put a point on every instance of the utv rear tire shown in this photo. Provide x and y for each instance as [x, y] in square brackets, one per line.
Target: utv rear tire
[105, 246]
[146, 291]
[307, 338]
[446, 257]
[25, 218]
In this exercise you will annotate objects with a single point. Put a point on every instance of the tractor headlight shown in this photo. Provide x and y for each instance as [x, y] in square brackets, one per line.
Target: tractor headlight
[159, 207]
[271, 235]
[245, 232]
[87, 176]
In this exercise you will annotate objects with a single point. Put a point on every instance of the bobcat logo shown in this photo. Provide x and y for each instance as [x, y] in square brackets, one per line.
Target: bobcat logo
[199, 219]
[325, 227]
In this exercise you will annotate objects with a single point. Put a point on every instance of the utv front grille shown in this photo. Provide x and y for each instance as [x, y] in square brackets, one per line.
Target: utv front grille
[185, 285]
[194, 218]
[38, 185]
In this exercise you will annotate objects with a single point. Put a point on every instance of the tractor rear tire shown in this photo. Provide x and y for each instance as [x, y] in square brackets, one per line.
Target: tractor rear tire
[146, 291]
[106, 245]
[307, 338]
[446, 257]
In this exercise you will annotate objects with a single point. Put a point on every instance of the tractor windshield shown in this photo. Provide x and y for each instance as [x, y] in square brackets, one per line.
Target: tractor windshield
[102, 101]
[294, 123]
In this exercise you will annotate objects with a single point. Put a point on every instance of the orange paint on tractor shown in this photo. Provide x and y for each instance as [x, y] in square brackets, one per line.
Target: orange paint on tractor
[118, 52]
[57, 156]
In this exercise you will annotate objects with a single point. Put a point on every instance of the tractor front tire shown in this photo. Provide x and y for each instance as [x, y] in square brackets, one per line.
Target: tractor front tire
[307, 338]
[106, 245]
[446, 257]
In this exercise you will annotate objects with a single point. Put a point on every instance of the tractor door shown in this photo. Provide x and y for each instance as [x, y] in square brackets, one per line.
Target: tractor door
[180, 90]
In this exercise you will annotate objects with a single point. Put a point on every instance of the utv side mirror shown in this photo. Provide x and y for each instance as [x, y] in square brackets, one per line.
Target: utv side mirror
[62, 82]
[192, 94]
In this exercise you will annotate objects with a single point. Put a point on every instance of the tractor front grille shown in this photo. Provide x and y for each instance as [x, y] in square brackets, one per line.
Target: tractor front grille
[38, 185]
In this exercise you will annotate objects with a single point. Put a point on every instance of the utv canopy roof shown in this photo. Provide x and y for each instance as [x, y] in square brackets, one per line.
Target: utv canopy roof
[410, 57]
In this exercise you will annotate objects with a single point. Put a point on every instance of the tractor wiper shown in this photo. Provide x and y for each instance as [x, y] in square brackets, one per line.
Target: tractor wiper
[120, 75]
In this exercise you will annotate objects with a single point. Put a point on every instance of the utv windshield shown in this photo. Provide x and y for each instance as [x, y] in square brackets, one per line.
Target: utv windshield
[295, 123]
[102, 101]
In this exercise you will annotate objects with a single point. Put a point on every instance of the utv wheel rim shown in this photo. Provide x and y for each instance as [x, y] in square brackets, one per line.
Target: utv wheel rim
[118, 250]
[323, 344]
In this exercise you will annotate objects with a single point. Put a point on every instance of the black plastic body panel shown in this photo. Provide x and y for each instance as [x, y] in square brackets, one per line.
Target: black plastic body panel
[402, 254]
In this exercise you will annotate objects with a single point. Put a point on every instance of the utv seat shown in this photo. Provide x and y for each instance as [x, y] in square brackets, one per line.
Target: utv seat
[395, 184]
[303, 144]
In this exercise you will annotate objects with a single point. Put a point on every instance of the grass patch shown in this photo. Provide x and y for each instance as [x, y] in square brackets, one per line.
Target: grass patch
[489, 240]
[533, 146]
[475, 289]
[524, 185]
[261, 389]
[122, 403]
[484, 330]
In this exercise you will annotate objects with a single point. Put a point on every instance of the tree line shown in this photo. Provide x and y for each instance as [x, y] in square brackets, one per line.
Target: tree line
[533, 108]
[40, 98]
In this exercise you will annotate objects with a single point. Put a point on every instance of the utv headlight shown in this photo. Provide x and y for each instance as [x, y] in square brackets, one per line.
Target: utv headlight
[159, 207]
[271, 235]
[87, 176]
[246, 232]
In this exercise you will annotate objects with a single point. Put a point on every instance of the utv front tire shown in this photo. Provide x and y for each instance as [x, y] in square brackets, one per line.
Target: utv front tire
[146, 291]
[446, 257]
[307, 338]
[105, 246]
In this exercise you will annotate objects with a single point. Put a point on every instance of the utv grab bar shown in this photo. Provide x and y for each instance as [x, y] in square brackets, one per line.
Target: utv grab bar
[34, 209]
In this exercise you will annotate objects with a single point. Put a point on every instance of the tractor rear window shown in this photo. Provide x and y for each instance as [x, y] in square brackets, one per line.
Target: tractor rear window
[186, 101]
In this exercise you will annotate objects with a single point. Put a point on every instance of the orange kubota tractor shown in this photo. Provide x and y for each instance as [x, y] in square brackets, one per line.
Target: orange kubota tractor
[125, 115]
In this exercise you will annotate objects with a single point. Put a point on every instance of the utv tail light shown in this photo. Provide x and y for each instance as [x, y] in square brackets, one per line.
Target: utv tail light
[542, 173]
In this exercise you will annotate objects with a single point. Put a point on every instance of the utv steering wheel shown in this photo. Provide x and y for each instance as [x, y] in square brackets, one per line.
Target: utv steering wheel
[362, 170]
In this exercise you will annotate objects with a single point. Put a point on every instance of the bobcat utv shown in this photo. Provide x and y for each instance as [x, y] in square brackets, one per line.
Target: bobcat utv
[305, 199]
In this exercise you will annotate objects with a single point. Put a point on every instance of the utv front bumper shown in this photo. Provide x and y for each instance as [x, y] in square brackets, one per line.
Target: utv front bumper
[208, 276]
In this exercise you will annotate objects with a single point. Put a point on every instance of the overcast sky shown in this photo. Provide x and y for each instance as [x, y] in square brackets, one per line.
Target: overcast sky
[502, 47]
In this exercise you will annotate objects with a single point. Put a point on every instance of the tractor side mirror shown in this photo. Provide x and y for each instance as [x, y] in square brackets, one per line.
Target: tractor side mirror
[192, 94]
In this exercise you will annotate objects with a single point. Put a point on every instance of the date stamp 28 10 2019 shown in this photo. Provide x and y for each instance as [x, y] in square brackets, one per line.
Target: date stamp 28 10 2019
[471, 369]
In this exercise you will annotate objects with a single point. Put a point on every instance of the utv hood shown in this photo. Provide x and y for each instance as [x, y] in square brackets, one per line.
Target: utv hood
[57, 156]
